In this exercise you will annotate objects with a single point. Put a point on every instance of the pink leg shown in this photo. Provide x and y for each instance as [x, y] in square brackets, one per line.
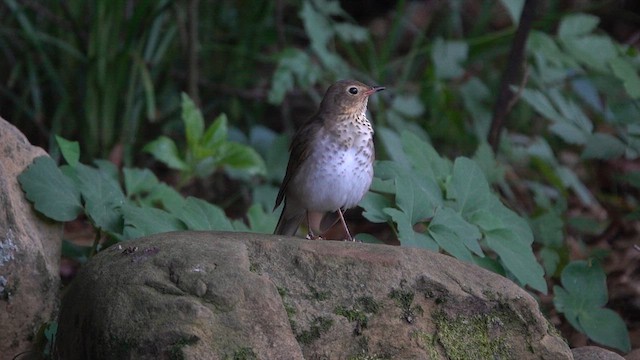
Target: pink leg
[346, 229]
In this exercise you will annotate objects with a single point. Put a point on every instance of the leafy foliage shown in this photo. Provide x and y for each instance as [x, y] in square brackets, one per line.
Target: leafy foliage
[449, 206]
[206, 150]
[582, 297]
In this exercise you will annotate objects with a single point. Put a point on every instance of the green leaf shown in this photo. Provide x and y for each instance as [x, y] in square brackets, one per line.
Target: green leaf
[468, 187]
[581, 298]
[448, 57]
[193, 121]
[166, 151]
[139, 181]
[569, 133]
[145, 221]
[450, 242]
[467, 234]
[606, 327]
[198, 214]
[241, 157]
[603, 146]
[577, 24]
[517, 257]
[624, 71]
[51, 192]
[425, 160]
[103, 198]
[373, 205]
[550, 260]
[368, 239]
[164, 196]
[406, 235]
[486, 160]
[216, 133]
[70, 150]
[417, 198]
[541, 103]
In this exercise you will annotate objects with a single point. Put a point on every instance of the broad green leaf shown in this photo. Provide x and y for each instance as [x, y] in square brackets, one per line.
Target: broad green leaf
[448, 57]
[586, 282]
[582, 297]
[449, 242]
[550, 260]
[468, 187]
[103, 198]
[603, 146]
[393, 146]
[424, 158]
[570, 111]
[577, 24]
[145, 221]
[548, 229]
[373, 205]
[582, 50]
[198, 214]
[418, 198]
[164, 196]
[70, 150]
[486, 220]
[486, 160]
[517, 257]
[52, 193]
[569, 133]
[624, 71]
[241, 157]
[216, 133]
[541, 104]
[606, 327]
[138, 181]
[467, 234]
[407, 236]
[193, 121]
[166, 151]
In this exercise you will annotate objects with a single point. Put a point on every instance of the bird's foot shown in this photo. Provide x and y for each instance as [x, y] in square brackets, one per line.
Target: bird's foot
[312, 236]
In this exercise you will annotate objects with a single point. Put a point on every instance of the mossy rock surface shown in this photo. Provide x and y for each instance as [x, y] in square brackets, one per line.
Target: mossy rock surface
[208, 295]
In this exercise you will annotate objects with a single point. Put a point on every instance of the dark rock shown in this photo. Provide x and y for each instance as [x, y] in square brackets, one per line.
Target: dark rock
[29, 252]
[206, 295]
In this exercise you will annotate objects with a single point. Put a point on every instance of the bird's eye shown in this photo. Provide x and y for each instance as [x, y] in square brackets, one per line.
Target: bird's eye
[353, 90]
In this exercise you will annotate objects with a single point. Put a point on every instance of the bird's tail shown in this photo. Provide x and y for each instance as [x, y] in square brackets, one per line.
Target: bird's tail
[289, 221]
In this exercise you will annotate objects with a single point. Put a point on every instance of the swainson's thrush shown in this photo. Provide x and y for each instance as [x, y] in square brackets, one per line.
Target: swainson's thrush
[331, 163]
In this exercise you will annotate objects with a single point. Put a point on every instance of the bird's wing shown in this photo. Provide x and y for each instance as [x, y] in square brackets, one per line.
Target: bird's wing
[300, 150]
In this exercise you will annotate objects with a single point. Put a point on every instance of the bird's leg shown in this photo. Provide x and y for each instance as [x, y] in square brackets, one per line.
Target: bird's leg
[312, 219]
[346, 229]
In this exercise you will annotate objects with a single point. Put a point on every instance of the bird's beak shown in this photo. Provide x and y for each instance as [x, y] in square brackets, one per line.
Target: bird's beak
[374, 89]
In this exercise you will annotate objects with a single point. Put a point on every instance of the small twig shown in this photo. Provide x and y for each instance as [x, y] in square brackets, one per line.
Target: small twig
[516, 58]
[521, 86]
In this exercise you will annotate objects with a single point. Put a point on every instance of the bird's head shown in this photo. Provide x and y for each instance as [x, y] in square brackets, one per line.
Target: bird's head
[348, 97]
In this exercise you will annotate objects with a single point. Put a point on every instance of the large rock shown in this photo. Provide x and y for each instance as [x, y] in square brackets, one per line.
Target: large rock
[29, 252]
[205, 295]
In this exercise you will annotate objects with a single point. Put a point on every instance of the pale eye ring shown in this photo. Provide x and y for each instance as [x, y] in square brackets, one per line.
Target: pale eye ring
[353, 90]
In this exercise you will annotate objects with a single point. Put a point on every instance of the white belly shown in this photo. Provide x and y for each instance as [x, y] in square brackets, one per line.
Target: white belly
[335, 179]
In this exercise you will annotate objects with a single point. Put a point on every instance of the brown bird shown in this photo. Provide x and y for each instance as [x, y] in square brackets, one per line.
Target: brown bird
[331, 163]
